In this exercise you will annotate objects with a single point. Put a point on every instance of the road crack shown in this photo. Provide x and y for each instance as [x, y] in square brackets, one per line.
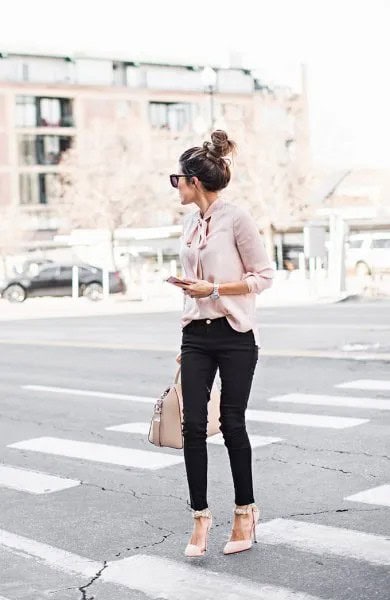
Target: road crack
[330, 511]
[287, 462]
[281, 444]
[164, 537]
[130, 491]
[83, 588]
[105, 489]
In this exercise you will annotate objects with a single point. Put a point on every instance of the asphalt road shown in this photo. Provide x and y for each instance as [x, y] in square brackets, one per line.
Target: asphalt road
[119, 529]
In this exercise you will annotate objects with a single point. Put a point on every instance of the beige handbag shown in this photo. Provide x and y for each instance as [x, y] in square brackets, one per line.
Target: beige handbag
[166, 424]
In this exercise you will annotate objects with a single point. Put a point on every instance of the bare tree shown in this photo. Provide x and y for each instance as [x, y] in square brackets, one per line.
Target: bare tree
[12, 232]
[110, 180]
[272, 175]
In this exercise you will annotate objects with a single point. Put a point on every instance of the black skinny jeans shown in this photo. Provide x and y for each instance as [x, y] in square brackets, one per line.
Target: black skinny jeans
[208, 344]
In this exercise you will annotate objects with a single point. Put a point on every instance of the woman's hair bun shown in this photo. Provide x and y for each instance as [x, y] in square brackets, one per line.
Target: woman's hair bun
[219, 146]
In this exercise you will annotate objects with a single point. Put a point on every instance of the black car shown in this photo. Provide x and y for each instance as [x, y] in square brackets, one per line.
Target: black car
[55, 279]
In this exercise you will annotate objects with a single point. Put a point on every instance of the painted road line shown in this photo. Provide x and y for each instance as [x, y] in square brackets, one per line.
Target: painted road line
[323, 539]
[376, 385]
[257, 441]
[378, 495]
[103, 453]
[282, 352]
[325, 400]
[49, 555]
[307, 420]
[91, 393]
[302, 419]
[143, 428]
[178, 581]
[33, 482]
[171, 579]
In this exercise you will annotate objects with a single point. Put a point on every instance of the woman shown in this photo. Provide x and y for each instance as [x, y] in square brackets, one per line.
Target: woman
[225, 264]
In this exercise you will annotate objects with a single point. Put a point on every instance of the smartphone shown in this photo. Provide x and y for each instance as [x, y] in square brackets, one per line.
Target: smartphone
[176, 280]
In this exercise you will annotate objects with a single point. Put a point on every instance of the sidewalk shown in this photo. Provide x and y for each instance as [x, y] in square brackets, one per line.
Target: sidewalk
[163, 298]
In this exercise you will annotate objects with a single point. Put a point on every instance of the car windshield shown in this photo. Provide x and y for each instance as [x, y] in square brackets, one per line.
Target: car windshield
[32, 269]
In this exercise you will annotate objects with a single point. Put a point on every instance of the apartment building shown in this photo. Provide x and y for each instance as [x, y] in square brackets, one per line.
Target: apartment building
[46, 102]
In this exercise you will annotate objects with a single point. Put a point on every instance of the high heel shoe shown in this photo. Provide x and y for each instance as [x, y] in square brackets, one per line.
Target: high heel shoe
[240, 545]
[194, 549]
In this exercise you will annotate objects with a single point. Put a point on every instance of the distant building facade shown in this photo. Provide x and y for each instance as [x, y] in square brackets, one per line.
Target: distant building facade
[47, 101]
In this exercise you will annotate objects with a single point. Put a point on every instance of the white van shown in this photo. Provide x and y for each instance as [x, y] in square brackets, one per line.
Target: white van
[368, 253]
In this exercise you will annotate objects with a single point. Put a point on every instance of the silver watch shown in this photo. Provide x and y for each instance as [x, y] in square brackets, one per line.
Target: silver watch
[215, 293]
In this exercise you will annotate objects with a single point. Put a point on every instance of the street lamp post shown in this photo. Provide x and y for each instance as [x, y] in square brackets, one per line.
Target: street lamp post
[209, 80]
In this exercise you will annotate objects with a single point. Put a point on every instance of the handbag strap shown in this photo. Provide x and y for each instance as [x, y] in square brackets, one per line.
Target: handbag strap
[178, 374]
[156, 431]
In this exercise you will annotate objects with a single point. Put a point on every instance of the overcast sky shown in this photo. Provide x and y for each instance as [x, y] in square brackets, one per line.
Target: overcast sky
[345, 44]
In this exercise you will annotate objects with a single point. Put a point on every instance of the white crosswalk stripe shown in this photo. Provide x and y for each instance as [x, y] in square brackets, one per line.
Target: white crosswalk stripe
[90, 393]
[302, 419]
[378, 385]
[143, 428]
[323, 539]
[104, 453]
[177, 581]
[33, 482]
[49, 555]
[379, 495]
[257, 441]
[326, 400]
[305, 420]
[170, 579]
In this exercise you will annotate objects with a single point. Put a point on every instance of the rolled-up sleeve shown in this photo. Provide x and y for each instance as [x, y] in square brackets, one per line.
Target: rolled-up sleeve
[259, 271]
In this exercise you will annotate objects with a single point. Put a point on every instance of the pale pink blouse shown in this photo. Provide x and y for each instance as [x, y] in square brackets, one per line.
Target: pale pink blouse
[224, 246]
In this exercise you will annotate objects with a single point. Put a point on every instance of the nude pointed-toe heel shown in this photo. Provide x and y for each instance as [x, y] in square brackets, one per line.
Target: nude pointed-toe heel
[193, 549]
[239, 545]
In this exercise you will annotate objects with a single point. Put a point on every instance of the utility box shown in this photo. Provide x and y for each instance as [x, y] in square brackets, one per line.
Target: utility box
[314, 240]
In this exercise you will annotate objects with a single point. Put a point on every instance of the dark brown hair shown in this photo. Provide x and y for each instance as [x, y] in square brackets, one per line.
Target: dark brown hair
[207, 162]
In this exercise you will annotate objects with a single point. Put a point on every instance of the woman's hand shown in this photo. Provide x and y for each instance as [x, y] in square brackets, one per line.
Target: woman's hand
[198, 289]
[178, 358]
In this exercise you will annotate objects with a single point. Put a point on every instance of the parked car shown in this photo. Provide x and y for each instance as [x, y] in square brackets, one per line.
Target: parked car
[368, 253]
[55, 279]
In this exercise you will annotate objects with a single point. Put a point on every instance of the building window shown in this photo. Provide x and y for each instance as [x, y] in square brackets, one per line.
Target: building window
[51, 147]
[42, 149]
[55, 112]
[37, 188]
[29, 188]
[174, 116]
[355, 244]
[381, 243]
[33, 111]
[27, 150]
[48, 183]
[26, 111]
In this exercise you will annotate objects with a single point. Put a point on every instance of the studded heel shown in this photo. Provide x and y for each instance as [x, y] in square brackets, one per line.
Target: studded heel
[194, 549]
[239, 545]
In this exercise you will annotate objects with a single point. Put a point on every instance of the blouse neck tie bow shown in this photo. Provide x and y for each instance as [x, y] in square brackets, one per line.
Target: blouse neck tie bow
[200, 229]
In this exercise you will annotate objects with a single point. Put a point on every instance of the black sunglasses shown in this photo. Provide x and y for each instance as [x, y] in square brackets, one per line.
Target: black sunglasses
[174, 179]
